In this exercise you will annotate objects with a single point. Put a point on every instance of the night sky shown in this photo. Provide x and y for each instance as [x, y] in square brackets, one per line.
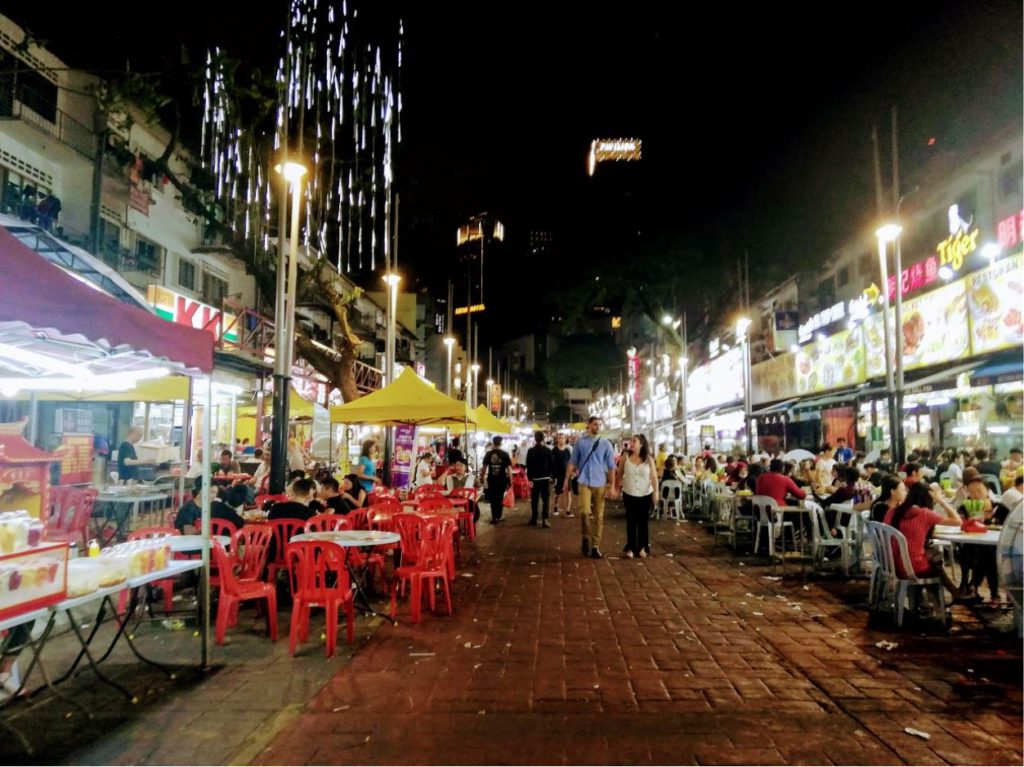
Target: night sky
[755, 121]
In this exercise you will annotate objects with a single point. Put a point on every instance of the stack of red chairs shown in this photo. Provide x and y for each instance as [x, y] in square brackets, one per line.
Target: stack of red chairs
[433, 565]
[520, 485]
[253, 541]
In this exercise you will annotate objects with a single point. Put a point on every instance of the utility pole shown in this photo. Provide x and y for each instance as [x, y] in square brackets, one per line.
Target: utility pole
[898, 456]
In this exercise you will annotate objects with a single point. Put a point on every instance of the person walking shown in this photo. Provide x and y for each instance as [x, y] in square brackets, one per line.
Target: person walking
[497, 467]
[540, 468]
[638, 477]
[561, 455]
[593, 462]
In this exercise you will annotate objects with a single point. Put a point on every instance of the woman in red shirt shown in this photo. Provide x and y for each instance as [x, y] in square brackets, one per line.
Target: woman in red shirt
[916, 518]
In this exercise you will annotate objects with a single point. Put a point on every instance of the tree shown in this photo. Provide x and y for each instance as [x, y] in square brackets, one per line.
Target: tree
[335, 101]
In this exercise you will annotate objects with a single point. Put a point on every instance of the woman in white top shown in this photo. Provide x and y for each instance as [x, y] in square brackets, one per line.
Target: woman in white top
[638, 478]
[424, 470]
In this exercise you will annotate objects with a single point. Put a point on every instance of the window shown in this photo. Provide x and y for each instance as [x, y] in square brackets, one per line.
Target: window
[110, 242]
[843, 276]
[868, 265]
[214, 289]
[1010, 181]
[186, 274]
[148, 257]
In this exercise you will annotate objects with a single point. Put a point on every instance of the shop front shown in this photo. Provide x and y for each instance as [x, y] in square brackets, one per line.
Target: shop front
[714, 401]
[961, 363]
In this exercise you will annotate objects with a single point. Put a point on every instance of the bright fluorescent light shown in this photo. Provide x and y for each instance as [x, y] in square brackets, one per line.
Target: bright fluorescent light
[938, 402]
[945, 273]
[889, 232]
[998, 429]
[292, 171]
[991, 251]
[794, 348]
[965, 429]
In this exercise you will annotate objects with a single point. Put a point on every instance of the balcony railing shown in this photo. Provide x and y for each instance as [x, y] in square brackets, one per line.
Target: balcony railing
[62, 127]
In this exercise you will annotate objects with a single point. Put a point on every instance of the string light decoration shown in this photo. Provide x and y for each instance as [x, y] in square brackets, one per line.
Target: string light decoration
[342, 103]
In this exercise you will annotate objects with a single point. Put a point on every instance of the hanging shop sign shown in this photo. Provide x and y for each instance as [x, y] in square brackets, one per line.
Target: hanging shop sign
[824, 318]
[75, 453]
[994, 295]
[183, 310]
[495, 401]
[405, 450]
[1010, 231]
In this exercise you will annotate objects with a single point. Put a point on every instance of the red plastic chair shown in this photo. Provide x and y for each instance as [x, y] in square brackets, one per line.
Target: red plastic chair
[434, 566]
[253, 541]
[323, 522]
[465, 517]
[434, 503]
[222, 527]
[69, 515]
[319, 578]
[262, 500]
[284, 529]
[167, 584]
[234, 591]
[381, 494]
[427, 491]
[411, 528]
[358, 518]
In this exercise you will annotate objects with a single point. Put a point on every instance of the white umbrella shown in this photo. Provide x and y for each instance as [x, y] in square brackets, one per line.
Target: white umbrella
[873, 456]
[799, 455]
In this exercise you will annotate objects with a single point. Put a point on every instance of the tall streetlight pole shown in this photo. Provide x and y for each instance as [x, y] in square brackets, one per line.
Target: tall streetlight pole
[889, 233]
[742, 326]
[506, 398]
[490, 389]
[392, 281]
[449, 342]
[475, 367]
[677, 324]
[284, 321]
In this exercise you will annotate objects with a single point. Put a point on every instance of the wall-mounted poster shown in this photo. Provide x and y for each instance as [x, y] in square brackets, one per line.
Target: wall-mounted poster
[995, 296]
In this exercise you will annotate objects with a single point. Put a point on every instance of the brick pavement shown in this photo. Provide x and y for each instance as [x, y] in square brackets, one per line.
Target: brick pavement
[693, 656]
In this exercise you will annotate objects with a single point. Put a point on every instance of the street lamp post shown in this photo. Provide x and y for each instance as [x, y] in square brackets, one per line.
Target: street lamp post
[284, 321]
[490, 388]
[742, 326]
[506, 398]
[889, 233]
[449, 342]
[475, 367]
[669, 321]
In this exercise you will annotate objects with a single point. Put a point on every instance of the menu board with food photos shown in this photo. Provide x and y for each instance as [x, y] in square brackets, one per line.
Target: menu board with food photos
[995, 301]
[831, 363]
[935, 327]
[773, 379]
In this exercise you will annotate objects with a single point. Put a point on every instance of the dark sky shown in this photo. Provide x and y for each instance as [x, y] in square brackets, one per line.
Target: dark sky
[755, 120]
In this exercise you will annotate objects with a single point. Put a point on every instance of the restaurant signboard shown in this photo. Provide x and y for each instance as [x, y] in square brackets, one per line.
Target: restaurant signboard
[831, 363]
[773, 379]
[716, 382]
[405, 447]
[183, 310]
[995, 297]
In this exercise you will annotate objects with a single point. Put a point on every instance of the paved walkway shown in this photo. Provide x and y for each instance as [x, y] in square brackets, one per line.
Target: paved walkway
[692, 656]
[696, 655]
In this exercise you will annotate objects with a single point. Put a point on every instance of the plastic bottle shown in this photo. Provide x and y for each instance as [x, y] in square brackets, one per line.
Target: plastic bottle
[94, 548]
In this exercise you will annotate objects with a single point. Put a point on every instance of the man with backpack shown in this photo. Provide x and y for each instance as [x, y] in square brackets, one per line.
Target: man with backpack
[497, 468]
[593, 465]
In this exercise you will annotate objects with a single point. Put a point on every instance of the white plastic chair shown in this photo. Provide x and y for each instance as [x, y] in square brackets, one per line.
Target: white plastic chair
[671, 504]
[822, 539]
[879, 584]
[911, 586]
[766, 512]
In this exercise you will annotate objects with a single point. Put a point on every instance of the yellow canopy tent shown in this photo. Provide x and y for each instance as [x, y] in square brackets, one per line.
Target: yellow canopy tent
[297, 407]
[407, 400]
[485, 421]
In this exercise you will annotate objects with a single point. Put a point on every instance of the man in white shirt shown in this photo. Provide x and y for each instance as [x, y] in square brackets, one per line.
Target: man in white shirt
[1014, 495]
[826, 462]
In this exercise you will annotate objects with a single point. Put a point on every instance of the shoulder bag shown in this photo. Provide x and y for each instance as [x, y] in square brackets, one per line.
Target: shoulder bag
[575, 482]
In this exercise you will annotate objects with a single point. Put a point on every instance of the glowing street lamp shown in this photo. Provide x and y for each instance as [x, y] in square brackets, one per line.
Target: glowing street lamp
[885, 235]
[449, 342]
[742, 326]
[291, 173]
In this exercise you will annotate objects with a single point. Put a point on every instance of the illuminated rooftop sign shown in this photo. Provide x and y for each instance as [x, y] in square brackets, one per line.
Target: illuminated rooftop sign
[612, 150]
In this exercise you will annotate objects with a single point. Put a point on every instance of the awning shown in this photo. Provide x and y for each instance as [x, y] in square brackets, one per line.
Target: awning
[42, 306]
[836, 398]
[998, 371]
[710, 411]
[76, 261]
[949, 375]
[407, 400]
[486, 421]
[778, 407]
[168, 389]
